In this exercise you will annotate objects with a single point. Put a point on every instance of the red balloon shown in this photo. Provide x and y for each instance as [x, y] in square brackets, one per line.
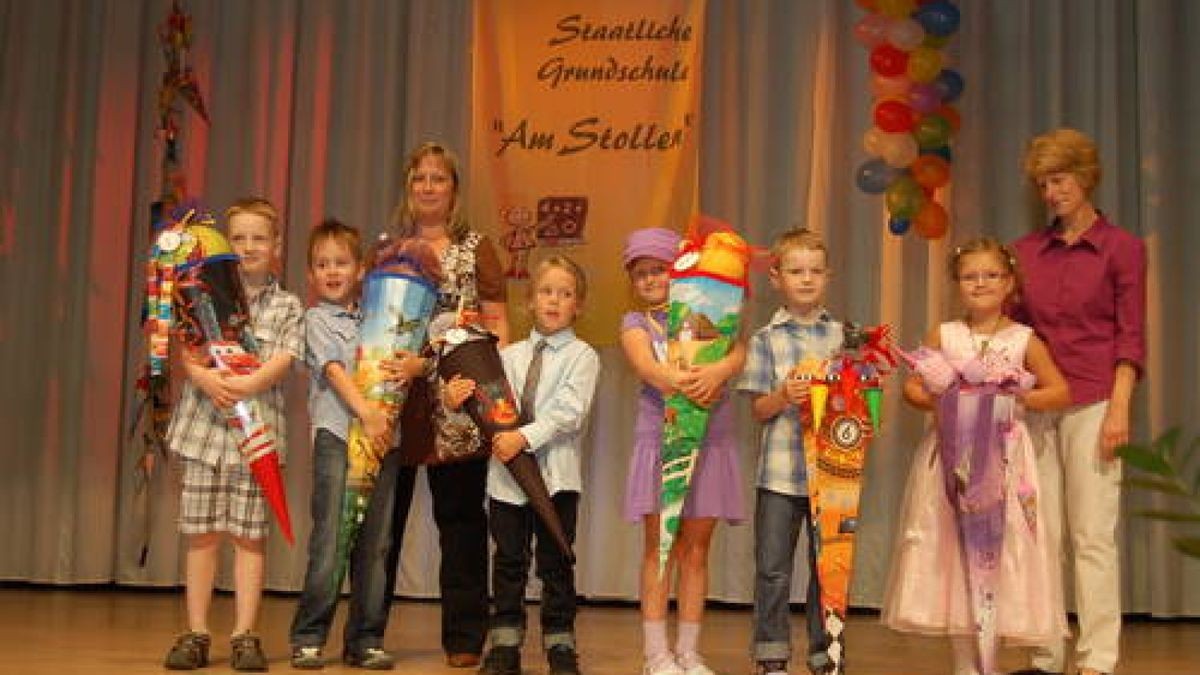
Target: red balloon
[889, 61]
[894, 116]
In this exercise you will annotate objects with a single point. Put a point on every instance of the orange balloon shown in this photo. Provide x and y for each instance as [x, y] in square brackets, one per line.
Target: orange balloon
[930, 171]
[932, 221]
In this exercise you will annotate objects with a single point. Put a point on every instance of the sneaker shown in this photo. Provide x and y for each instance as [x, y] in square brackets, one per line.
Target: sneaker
[189, 652]
[771, 668]
[307, 658]
[501, 660]
[370, 658]
[246, 653]
[663, 664]
[563, 660]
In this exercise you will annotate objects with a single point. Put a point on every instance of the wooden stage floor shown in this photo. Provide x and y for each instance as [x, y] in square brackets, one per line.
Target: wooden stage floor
[120, 632]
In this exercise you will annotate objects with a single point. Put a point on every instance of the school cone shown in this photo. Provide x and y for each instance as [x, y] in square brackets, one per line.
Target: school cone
[471, 352]
[259, 451]
[709, 280]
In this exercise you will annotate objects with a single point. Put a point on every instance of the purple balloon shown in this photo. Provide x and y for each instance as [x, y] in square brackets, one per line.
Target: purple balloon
[924, 98]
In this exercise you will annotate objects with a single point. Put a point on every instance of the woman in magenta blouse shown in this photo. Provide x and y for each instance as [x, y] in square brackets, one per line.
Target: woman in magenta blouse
[1084, 292]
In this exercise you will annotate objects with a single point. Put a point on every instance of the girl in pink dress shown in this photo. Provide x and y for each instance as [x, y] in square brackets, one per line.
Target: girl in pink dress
[971, 560]
[716, 489]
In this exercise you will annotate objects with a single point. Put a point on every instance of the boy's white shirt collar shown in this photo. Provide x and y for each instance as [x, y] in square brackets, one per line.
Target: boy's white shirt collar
[553, 339]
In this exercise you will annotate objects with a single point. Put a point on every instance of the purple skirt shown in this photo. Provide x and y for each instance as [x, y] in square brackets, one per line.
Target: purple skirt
[716, 489]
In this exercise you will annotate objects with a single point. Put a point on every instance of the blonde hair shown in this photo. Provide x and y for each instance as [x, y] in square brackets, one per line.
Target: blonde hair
[332, 229]
[255, 206]
[403, 220]
[1064, 150]
[999, 251]
[797, 238]
[564, 263]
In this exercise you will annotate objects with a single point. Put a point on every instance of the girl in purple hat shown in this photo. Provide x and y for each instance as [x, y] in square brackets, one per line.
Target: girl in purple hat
[716, 490]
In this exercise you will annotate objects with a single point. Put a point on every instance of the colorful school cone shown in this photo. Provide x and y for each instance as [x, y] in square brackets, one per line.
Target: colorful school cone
[835, 448]
[471, 352]
[214, 318]
[970, 446]
[397, 304]
[707, 288]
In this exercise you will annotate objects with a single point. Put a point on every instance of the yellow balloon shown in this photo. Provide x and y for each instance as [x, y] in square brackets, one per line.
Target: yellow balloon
[896, 8]
[924, 64]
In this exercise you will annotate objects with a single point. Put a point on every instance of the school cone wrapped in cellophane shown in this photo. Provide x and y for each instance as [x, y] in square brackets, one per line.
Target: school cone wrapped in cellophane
[398, 298]
[471, 352]
[839, 419]
[708, 286]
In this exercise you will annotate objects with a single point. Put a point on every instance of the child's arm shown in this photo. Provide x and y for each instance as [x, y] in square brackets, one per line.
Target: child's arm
[211, 381]
[456, 392]
[1051, 391]
[262, 379]
[565, 413]
[639, 352]
[375, 423]
[914, 387]
[705, 383]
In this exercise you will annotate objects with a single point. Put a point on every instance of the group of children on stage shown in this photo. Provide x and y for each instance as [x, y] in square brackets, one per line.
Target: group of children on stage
[926, 593]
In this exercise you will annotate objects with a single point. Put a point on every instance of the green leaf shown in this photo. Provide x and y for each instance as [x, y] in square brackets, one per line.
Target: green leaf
[1145, 459]
[1169, 516]
[1186, 457]
[1189, 546]
[1156, 485]
[1164, 445]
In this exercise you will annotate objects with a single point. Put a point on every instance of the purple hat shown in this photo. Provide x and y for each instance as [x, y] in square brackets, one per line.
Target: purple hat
[650, 242]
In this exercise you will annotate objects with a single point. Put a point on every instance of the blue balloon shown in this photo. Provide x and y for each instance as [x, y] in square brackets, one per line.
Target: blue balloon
[898, 226]
[874, 176]
[948, 84]
[938, 18]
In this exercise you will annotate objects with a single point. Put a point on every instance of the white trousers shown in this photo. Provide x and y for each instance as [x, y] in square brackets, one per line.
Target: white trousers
[1082, 497]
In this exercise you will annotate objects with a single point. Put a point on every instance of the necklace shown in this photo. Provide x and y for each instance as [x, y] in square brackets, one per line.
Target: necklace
[985, 338]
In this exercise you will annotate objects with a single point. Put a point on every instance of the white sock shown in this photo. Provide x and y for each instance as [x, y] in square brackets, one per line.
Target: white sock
[654, 640]
[686, 645]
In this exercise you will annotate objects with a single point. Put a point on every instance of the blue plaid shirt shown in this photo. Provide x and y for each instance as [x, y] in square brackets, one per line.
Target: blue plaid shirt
[774, 350]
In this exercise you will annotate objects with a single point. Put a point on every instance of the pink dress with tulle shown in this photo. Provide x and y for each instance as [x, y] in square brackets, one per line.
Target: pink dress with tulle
[927, 585]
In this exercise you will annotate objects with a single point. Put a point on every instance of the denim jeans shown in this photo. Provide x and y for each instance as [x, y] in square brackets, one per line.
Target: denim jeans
[369, 594]
[777, 521]
[514, 529]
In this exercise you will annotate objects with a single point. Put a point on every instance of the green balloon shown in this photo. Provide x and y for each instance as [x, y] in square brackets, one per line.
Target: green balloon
[931, 131]
[904, 198]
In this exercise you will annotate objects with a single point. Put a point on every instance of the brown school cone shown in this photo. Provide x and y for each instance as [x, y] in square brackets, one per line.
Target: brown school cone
[471, 352]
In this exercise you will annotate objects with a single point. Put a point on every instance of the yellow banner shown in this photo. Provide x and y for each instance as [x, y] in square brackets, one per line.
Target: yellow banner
[584, 127]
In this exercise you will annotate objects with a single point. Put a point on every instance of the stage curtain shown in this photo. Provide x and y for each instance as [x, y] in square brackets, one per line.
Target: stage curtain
[314, 105]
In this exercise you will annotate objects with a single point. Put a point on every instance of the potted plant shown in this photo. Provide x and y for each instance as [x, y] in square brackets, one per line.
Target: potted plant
[1166, 467]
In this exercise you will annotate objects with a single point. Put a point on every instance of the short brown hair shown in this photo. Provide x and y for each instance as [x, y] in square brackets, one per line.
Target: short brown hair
[335, 230]
[562, 262]
[797, 238]
[1064, 150]
[256, 206]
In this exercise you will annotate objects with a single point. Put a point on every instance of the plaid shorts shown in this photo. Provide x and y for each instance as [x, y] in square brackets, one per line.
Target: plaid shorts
[221, 498]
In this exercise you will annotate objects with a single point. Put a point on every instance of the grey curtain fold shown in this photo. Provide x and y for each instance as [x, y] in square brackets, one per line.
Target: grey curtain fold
[314, 105]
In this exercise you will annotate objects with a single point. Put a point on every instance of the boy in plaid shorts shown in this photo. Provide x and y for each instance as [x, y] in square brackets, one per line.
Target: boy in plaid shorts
[800, 328]
[220, 496]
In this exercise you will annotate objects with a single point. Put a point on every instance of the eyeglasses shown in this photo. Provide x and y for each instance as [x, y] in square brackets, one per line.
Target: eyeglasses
[977, 278]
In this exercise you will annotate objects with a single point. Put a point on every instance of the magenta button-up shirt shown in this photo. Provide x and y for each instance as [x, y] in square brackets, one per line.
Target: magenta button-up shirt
[1087, 301]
